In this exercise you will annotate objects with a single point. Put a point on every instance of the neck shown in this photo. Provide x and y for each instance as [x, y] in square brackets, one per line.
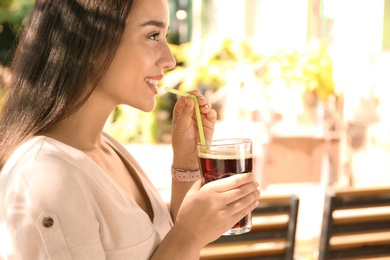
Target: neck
[83, 130]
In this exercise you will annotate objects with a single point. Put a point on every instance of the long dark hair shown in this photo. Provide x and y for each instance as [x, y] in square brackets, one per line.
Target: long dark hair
[64, 48]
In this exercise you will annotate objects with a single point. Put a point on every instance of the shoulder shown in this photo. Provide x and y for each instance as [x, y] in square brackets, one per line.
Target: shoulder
[43, 154]
[43, 190]
[43, 166]
[41, 177]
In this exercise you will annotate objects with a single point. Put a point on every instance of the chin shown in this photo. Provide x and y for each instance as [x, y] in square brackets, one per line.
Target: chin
[148, 107]
[147, 110]
[146, 104]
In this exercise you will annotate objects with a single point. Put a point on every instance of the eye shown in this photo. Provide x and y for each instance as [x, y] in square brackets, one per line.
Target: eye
[154, 36]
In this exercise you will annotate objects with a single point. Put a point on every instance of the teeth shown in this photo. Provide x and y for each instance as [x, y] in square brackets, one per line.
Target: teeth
[154, 82]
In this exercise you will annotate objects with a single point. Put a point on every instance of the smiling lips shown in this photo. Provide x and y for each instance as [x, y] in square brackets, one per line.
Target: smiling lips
[153, 83]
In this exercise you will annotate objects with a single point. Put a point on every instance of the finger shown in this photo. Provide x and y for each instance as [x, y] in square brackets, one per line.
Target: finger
[242, 195]
[240, 213]
[243, 199]
[205, 109]
[179, 106]
[212, 115]
[208, 120]
[204, 105]
[242, 191]
[195, 92]
[203, 102]
[184, 107]
[197, 185]
[232, 182]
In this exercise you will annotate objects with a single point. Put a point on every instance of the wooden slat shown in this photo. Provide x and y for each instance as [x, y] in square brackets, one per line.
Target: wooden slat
[362, 192]
[371, 256]
[243, 250]
[273, 199]
[269, 223]
[363, 218]
[352, 242]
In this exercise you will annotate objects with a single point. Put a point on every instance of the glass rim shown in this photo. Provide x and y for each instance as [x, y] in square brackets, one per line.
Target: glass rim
[226, 141]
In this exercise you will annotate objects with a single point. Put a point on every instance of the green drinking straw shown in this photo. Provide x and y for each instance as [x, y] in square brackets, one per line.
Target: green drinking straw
[197, 112]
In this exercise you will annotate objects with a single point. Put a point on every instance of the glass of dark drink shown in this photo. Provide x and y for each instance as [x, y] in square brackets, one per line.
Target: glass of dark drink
[222, 158]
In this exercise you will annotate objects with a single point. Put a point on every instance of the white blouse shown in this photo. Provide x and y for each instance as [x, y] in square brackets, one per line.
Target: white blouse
[57, 203]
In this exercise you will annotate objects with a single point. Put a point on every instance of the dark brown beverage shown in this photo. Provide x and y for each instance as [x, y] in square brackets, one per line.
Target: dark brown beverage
[214, 167]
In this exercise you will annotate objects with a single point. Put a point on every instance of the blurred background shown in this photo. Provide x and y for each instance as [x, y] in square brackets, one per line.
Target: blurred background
[307, 80]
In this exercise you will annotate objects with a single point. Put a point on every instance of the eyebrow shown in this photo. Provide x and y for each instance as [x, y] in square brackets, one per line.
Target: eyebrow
[154, 23]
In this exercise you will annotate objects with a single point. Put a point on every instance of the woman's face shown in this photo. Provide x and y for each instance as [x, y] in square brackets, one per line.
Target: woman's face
[142, 56]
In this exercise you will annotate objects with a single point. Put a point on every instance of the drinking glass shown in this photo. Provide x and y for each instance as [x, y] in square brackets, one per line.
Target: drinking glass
[223, 158]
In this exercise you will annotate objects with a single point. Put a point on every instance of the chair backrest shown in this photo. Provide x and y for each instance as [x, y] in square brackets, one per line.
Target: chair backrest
[356, 223]
[272, 235]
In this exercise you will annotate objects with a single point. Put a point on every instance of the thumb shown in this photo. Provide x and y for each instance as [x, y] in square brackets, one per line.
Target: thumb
[193, 190]
[195, 187]
[189, 106]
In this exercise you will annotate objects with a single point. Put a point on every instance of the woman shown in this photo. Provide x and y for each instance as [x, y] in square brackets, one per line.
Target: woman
[70, 191]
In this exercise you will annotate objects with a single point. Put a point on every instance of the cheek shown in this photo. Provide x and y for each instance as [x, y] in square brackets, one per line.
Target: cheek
[123, 74]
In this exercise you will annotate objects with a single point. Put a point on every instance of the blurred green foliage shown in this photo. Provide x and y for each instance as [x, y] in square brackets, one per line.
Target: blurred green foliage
[311, 70]
[130, 125]
[12, 14]
[209, 68]
[306, 75]
[14, 11]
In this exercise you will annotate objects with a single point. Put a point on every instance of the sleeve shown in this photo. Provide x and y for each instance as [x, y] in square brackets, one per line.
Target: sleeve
[46, 213]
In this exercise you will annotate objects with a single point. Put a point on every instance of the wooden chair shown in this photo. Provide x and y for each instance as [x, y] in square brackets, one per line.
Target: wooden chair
[272, 236]
[356, 224]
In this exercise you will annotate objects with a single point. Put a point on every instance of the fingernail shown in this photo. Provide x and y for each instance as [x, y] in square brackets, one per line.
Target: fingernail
[187, 101]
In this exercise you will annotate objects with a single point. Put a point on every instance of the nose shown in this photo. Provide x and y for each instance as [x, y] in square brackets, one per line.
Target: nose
[166, 61]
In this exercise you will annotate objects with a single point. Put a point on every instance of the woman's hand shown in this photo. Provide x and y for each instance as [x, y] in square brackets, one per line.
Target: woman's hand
[209, 211]
[185, 132]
